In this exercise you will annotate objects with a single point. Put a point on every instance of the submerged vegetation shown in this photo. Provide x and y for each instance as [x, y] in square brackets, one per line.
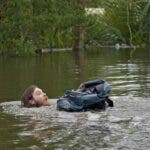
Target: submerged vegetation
[28, 25]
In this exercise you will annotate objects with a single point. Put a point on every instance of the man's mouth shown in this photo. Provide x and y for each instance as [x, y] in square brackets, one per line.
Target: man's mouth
[46, 98]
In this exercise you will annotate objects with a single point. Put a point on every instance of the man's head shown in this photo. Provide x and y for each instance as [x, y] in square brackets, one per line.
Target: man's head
[34, 97]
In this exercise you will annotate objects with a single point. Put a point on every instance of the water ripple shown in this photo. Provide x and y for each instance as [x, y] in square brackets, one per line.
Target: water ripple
[126, 126]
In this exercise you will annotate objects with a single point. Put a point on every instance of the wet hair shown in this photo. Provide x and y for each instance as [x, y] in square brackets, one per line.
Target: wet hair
[27, 96]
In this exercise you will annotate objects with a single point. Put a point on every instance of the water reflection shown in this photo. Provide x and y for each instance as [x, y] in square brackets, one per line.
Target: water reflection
[58, 72]
[79, 66]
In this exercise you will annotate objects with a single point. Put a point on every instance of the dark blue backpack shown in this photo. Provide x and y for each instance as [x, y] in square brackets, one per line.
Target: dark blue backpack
[91, 95]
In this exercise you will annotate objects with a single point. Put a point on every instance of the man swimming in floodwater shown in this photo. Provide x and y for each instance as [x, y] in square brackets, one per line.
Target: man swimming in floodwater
[82, 98]
[33, 96]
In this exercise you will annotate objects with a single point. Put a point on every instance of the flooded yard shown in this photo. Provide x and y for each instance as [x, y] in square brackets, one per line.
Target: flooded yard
[125, 126]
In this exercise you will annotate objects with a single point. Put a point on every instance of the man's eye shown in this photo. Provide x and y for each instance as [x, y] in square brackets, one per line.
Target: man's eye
[38, 92]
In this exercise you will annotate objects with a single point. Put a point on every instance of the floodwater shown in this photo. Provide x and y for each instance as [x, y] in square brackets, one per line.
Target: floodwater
[125, 126]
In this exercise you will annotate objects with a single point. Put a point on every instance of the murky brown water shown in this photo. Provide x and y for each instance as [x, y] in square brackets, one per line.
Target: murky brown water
[126, 126]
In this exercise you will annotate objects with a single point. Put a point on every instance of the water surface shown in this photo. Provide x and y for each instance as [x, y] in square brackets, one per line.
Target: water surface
[126, 126]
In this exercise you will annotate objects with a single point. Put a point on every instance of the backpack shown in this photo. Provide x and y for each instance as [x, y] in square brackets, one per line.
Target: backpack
[91, 95]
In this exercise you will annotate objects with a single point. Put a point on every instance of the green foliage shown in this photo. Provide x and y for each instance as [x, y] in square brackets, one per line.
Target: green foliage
[26, 25]
[15, 27]
[121, 15]
[99, 33]
[145, 21]
[123, 21]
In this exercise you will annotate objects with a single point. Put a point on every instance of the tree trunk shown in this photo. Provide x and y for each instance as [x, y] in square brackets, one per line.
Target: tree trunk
[128, 22]
[79, 29]
[79, 37]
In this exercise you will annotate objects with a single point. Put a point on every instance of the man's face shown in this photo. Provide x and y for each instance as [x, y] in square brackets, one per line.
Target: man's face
[39, 97]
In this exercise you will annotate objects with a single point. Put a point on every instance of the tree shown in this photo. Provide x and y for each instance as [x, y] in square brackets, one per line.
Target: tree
[145, 21]
[27, 25]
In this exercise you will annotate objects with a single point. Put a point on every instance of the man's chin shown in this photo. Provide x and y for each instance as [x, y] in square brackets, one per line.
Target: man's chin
[46, 104]
[46, 99]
